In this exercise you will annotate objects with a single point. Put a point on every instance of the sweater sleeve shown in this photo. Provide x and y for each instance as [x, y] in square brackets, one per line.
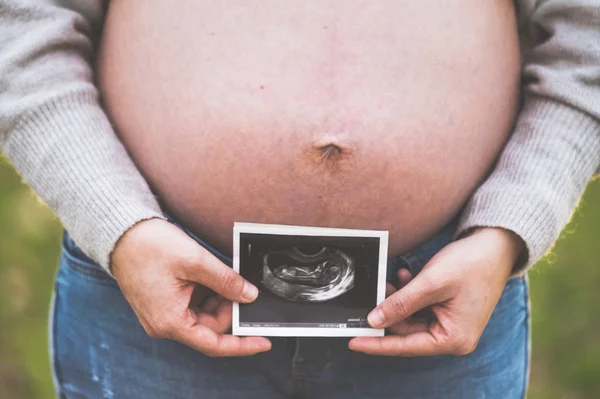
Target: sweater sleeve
[555, 147]
[53, 129]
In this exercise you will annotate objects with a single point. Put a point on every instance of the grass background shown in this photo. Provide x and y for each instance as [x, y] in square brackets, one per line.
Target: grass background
[564, 291]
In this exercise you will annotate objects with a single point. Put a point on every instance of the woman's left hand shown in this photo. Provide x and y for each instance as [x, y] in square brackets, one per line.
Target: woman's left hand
[462, 284]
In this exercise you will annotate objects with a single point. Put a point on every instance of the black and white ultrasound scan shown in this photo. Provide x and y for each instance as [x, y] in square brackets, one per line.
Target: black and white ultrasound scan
[312, 281]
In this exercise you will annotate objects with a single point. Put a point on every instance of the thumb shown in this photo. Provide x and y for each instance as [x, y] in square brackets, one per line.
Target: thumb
[207, 270]
[416, 295]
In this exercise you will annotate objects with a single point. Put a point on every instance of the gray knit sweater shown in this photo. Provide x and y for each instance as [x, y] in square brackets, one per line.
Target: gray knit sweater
[60, 140]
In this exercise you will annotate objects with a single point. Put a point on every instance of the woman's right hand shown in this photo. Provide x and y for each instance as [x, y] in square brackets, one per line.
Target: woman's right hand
[162, 273]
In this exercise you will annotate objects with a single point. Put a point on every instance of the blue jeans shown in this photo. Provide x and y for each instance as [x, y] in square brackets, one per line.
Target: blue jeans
[99, 350]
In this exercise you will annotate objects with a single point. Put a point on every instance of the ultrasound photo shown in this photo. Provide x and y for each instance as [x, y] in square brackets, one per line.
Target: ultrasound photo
[312, 281]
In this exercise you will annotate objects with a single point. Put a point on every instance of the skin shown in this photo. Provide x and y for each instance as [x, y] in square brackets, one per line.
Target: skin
[164, 274]
[461, 285]
[373, 115]
[352, 114]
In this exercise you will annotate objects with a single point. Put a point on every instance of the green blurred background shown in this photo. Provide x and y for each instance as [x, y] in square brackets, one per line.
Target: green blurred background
[564, 291]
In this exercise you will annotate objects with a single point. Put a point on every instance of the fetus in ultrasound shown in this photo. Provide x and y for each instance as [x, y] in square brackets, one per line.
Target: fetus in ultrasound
[308, 277]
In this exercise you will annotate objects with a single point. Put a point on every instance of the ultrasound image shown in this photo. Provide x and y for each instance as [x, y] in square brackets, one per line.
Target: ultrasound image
[308, 277]
[309, 280]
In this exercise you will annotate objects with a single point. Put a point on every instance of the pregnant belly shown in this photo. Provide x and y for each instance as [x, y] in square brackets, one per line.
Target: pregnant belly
[342, 113]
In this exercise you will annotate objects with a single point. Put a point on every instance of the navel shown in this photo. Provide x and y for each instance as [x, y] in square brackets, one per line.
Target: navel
[330, 152]
[329, 155]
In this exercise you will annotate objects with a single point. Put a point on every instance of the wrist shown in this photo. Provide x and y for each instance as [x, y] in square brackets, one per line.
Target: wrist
[129, 240]
[505, 244]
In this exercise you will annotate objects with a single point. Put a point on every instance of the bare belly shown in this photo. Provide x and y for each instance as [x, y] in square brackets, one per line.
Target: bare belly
[343, 113]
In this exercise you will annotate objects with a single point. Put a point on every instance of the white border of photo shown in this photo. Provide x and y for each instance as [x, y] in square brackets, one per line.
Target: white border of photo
[278, 229]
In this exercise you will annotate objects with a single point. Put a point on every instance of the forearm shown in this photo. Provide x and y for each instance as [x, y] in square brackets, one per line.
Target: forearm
[539, 178]
[555, 148]
[54, 131]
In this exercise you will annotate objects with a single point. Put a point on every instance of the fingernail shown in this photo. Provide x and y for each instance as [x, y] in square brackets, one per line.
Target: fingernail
[268, 347]
[376, 318]
[352, 343]
[250, 292]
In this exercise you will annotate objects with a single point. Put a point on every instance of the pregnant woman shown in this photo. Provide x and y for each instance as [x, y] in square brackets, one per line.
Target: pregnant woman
[380, 115]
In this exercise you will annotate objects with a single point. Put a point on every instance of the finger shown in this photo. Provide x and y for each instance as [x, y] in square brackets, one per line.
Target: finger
[205, 340]
[407, 327]
[414, 296]
[198, 297]
[219, 323]
[210, 321]
[224, 314]
[417, 344]
[404, 277]
[219, 320]
[389, 289]
[223, 317]
[211, 304]
[209, 271]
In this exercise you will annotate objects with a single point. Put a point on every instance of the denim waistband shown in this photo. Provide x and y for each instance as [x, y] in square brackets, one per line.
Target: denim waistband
[414, 260]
